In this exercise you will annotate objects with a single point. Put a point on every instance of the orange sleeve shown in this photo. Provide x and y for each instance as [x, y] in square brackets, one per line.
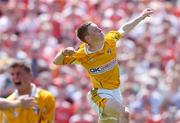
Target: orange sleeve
[68, 60]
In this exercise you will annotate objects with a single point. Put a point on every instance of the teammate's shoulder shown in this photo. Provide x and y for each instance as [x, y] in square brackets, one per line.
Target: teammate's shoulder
[44, 93]
[46, 97]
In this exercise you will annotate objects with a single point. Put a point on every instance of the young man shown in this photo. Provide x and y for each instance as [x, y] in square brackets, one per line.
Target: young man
[98, 56]
[42, 113]
[25, 102]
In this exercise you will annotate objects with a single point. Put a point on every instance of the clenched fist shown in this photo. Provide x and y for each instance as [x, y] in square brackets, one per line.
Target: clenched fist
[27, 102]
[68, 51]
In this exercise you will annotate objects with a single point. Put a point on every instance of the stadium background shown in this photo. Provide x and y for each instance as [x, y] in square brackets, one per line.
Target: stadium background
[35, 30]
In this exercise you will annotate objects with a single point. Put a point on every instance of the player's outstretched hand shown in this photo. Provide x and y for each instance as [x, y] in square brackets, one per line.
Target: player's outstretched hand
[68, 51]
[147, 13]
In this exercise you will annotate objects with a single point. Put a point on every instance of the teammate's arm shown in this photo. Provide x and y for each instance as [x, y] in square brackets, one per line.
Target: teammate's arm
[59, 58]
[9, 104]
[125, 29]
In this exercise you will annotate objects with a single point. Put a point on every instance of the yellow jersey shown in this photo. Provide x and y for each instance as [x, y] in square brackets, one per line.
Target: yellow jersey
[102, 65]
[1, 116]
[43, 113]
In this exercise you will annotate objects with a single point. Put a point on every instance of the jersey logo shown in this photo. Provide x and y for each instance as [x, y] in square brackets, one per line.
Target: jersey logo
[106, 67]
[95, 70]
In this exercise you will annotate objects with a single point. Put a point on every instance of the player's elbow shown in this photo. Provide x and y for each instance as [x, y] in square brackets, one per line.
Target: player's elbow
[122, 32]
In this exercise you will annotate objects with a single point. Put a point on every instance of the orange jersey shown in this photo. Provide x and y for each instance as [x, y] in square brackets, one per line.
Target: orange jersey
[102, 65]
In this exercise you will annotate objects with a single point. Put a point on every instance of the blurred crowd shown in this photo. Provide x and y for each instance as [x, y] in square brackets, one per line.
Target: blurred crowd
[35, 30]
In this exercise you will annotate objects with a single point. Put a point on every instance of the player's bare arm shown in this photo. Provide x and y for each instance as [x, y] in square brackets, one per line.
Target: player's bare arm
[125, 29]
[69, 51]
[26, 102]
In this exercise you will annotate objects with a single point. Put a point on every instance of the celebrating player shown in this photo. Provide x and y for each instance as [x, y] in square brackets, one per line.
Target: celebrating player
[97, 54]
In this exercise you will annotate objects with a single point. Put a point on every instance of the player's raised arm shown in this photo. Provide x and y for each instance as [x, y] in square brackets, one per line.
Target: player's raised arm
[126, 28]
[59, 58]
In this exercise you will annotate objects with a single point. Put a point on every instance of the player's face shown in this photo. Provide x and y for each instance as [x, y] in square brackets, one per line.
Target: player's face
[95, 32]
[20, 78]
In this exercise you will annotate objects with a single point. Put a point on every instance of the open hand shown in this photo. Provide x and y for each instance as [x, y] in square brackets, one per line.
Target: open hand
[147, 13]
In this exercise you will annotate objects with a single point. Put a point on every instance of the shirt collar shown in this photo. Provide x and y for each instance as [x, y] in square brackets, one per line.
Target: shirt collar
[99, 51]
[34, 91]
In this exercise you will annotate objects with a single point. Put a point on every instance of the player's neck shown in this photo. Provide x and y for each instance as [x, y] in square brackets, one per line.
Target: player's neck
[95, 46]
[25, 91]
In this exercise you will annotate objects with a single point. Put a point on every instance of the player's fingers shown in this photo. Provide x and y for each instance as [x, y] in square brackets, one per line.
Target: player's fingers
[28, 102]
[34, 104]
[149, 9]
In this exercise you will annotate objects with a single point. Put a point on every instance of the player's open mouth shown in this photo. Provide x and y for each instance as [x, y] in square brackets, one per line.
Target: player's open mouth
[18, 83]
